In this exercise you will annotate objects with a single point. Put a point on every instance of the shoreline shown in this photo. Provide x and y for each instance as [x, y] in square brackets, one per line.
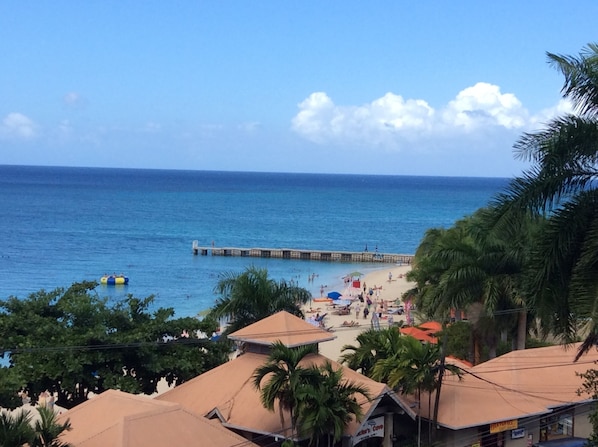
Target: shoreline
[385, 291]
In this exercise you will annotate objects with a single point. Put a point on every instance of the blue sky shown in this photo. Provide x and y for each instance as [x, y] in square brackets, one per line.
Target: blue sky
[380, 87]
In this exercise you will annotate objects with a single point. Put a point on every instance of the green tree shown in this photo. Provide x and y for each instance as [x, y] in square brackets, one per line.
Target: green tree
[373, 345]
[458, 339]
[326, 408]
[561, 183]
[414, 369]
[590, 387]
[477, 266]
[251, 296]
[284, 378]
[71, 342]
[15, 429]
[48, 430]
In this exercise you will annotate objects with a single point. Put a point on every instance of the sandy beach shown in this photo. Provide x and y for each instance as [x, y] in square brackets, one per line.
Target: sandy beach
[385, 291]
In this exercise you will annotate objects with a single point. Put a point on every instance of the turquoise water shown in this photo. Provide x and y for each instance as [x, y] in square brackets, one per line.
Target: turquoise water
[63, 225]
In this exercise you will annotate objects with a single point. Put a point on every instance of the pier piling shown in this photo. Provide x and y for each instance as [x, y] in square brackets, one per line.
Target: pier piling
[304, 254]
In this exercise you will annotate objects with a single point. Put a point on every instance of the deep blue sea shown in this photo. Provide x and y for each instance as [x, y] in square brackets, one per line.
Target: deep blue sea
[63, 225]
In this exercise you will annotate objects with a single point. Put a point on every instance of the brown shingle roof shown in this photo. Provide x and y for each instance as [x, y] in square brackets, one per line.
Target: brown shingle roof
[119, 419]
[516, 385]
[283, 326]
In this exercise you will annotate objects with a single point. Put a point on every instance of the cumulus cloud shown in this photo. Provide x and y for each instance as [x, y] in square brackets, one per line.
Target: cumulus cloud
[484, 105]
[18, 127]
[393, 120]
[563, 107]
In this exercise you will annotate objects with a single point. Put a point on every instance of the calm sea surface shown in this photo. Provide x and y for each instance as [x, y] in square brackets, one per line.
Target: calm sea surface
[63, 225]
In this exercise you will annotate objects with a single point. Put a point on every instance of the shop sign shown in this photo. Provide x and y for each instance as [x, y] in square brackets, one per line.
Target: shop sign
[519, 433]
[497, 427]
[372, 428]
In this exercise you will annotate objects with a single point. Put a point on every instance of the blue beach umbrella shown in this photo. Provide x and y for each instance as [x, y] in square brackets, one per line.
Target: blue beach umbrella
[334, 295]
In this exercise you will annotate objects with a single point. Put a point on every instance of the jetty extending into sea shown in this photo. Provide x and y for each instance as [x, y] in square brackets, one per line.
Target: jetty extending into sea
[303, 254]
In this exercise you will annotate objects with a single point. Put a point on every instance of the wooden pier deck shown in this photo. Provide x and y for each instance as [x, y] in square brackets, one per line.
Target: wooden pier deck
[306, 255]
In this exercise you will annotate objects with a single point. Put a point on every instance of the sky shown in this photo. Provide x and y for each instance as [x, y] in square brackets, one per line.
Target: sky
[359, 87]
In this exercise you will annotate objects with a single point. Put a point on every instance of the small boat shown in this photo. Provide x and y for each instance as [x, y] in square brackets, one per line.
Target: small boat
[113, 280]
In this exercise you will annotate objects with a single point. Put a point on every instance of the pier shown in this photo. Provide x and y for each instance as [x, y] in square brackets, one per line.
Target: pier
[304, 255]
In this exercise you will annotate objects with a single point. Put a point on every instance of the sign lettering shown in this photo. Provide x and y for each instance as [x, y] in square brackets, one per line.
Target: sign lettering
[497, 427]
[372, 428]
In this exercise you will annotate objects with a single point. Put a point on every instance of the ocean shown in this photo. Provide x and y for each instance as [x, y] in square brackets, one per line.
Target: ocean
[62, 225]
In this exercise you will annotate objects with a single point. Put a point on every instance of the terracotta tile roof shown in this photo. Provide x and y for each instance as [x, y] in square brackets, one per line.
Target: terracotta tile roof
[283, 326]
[419, 334]
[516, 385]
[228, 391]
[119, 419]
[433, 327]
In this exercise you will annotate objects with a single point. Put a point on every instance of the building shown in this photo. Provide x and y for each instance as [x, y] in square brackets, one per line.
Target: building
[515, 400]
[227, 394]
[118, 419]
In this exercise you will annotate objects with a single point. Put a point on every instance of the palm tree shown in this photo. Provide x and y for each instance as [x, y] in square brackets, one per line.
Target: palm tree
[285, 377]
[48, 429]
[251, 296]
[329, 404]
[373, 345]
[475, 264]
[413, 370]
[15, 429]
[561, 183]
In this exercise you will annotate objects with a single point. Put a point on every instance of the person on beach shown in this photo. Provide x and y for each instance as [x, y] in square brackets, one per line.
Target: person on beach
[357, 310]
[375, 321]
[389, 276]
[365, 313]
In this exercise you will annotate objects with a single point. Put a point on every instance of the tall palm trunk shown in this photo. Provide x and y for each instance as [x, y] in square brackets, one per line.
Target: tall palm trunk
[282, 421]
[419, 417]
[477, 356]
[521, 329]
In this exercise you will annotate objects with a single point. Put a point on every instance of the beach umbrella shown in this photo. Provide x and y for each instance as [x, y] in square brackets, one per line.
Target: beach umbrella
[355, 274]
[334, 295]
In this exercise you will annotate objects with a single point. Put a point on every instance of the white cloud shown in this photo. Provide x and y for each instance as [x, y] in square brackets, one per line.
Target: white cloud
[18, 127]
[484, 105]
[563, 107]
[74, 100]
[393, 120]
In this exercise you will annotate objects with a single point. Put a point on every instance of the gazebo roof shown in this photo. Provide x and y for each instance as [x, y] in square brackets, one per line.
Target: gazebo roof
[284, 327]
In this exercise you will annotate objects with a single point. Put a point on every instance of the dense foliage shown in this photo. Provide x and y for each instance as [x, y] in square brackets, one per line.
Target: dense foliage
[372, 345]
[561, 183]
[477, 266]
[73, 343]
[320, 402]
[252, 295]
